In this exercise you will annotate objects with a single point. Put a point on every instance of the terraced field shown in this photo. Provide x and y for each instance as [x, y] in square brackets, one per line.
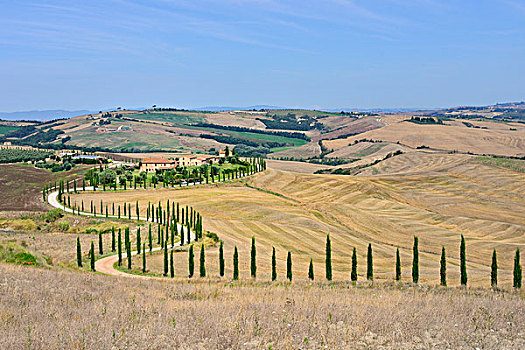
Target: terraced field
[441, 197]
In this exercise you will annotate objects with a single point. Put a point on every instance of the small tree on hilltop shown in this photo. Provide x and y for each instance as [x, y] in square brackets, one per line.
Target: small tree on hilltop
[443, 268]
[494, 270]
[369, 264]
[328, 262]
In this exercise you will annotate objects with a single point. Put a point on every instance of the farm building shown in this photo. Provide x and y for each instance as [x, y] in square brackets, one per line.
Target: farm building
[150, 165]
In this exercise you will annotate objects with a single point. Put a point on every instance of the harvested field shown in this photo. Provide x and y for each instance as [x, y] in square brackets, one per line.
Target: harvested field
[298, 167]
[294, 212]
[445, 137]
[21, 186]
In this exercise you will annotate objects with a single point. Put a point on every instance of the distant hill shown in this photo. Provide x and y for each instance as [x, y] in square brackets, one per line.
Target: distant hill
[42, 115]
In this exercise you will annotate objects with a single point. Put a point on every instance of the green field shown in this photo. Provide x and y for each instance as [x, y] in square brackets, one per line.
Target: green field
[513, 164]
[4, 129]
[177, 118]
[255, 136]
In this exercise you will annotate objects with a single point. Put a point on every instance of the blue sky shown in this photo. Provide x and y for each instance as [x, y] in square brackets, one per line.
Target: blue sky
[316, 54]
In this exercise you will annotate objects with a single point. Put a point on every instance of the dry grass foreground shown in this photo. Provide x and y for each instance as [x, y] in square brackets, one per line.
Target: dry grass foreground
[484, 203]
[57, 309]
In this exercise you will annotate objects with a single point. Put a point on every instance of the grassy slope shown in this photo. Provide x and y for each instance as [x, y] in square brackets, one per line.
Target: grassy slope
[99, 312]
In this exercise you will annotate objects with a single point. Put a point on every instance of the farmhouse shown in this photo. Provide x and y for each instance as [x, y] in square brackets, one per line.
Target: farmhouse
[150, 165]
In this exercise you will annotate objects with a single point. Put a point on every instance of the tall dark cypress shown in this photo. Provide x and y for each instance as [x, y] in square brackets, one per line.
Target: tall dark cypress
[311, 270]
[144, 257]
[274, 265]
[369, 264]
[415, 261]
[443, 267]
[100, 247]
[235, 264]
[191, 262]
[494, 270]
[150, 239]
[79, 253]
[165, 248]
[398, 265]
[128, 253]
[119, 247]
[253, 263]
[221, 260]
[328, 263]
[92, 256]
[463, 262]
[353, 274]
[139, 241]
[517, 274]
[202, 263]
[289, 266]
[172, 267]
[112, 238]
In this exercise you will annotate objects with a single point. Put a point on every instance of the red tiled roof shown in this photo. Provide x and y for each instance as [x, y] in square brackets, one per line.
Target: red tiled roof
[157, 161]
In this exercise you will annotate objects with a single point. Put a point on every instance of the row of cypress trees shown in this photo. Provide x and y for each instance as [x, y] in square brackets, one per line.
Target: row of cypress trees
[517, 280]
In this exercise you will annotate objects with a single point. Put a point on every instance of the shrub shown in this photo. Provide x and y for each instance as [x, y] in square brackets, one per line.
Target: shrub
[63, 226]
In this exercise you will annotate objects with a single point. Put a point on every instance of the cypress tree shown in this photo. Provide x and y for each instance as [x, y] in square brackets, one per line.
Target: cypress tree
[202, 263]
[172, 235]
[150, 239]
[100, 248]
[191, 263]
[79, 253]
[165, 249]
[517, 270]
[398, 265]
[128, 253]
[253, 265]
[353, 274]
[369, 264]
[144, 258]
[235, 264]
[221, 260]
[137, 209]
[182, 235]
[158, 235]
[274, 265]
[112, 238]
[494, 270]
[289, 266]
[92, 255]
[119, 247]
[172, 268]
[463, 262]
[415, 261]
[311, 270]
[139, 240]
[328, 263]
[443, 268]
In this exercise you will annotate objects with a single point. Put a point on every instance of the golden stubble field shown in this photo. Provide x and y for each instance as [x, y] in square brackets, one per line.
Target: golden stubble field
[294, 212]
[490, 138]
